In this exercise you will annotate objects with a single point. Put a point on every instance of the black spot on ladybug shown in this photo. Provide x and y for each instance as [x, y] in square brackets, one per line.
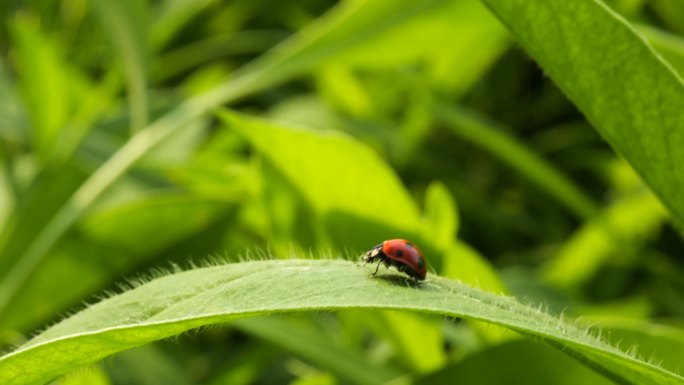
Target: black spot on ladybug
[400, 253]
[421, 262]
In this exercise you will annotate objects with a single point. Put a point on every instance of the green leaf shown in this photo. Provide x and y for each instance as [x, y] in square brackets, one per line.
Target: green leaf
[616, 232]
[88, 376]
[125, 22]
[344, 90]
[464, 263]
[512, 367]
[147, 365]
[346, 183]
[173, 15]
[439, 35]
[441, 217]
[109, 243]
[7, 199]
[304, 339]
[493, 138]
[173, 304]
[332, 38]
[669, 45]
[670, 14]
[44, 83]
[196, 54]
[623, 87]
[423, 351]
[661, 342]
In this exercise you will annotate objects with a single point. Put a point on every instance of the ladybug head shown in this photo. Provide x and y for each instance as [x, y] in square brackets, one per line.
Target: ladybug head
[373, 253]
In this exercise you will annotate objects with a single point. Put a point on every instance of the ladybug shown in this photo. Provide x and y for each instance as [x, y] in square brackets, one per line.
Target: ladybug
[401, 254]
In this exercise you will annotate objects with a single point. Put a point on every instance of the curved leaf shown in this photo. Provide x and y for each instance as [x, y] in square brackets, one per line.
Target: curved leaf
[173, 304]
[623, 87]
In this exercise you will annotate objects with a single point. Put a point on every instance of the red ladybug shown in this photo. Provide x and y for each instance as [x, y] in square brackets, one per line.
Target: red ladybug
[401, 254]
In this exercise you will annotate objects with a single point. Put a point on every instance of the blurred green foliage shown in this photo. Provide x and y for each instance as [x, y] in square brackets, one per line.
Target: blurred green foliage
[135, 134]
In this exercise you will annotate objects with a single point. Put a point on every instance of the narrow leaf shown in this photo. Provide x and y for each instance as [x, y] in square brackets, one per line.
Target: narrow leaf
[170, 305]
[493, 138]
[623, 87]
[124, 21]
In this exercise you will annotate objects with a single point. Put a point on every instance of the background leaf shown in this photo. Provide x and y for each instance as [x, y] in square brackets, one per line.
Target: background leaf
[348, 182]
[125, 23]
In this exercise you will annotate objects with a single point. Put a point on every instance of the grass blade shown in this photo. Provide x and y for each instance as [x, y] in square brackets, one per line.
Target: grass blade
[124, 21]
[467, 125]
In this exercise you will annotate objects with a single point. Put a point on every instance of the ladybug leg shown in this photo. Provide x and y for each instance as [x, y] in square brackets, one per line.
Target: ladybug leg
[376, 268]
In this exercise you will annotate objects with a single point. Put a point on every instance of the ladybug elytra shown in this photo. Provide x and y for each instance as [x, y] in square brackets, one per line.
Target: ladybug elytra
[401, 254]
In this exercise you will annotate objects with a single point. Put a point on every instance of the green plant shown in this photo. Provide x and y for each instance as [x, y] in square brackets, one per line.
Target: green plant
[204, 131]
